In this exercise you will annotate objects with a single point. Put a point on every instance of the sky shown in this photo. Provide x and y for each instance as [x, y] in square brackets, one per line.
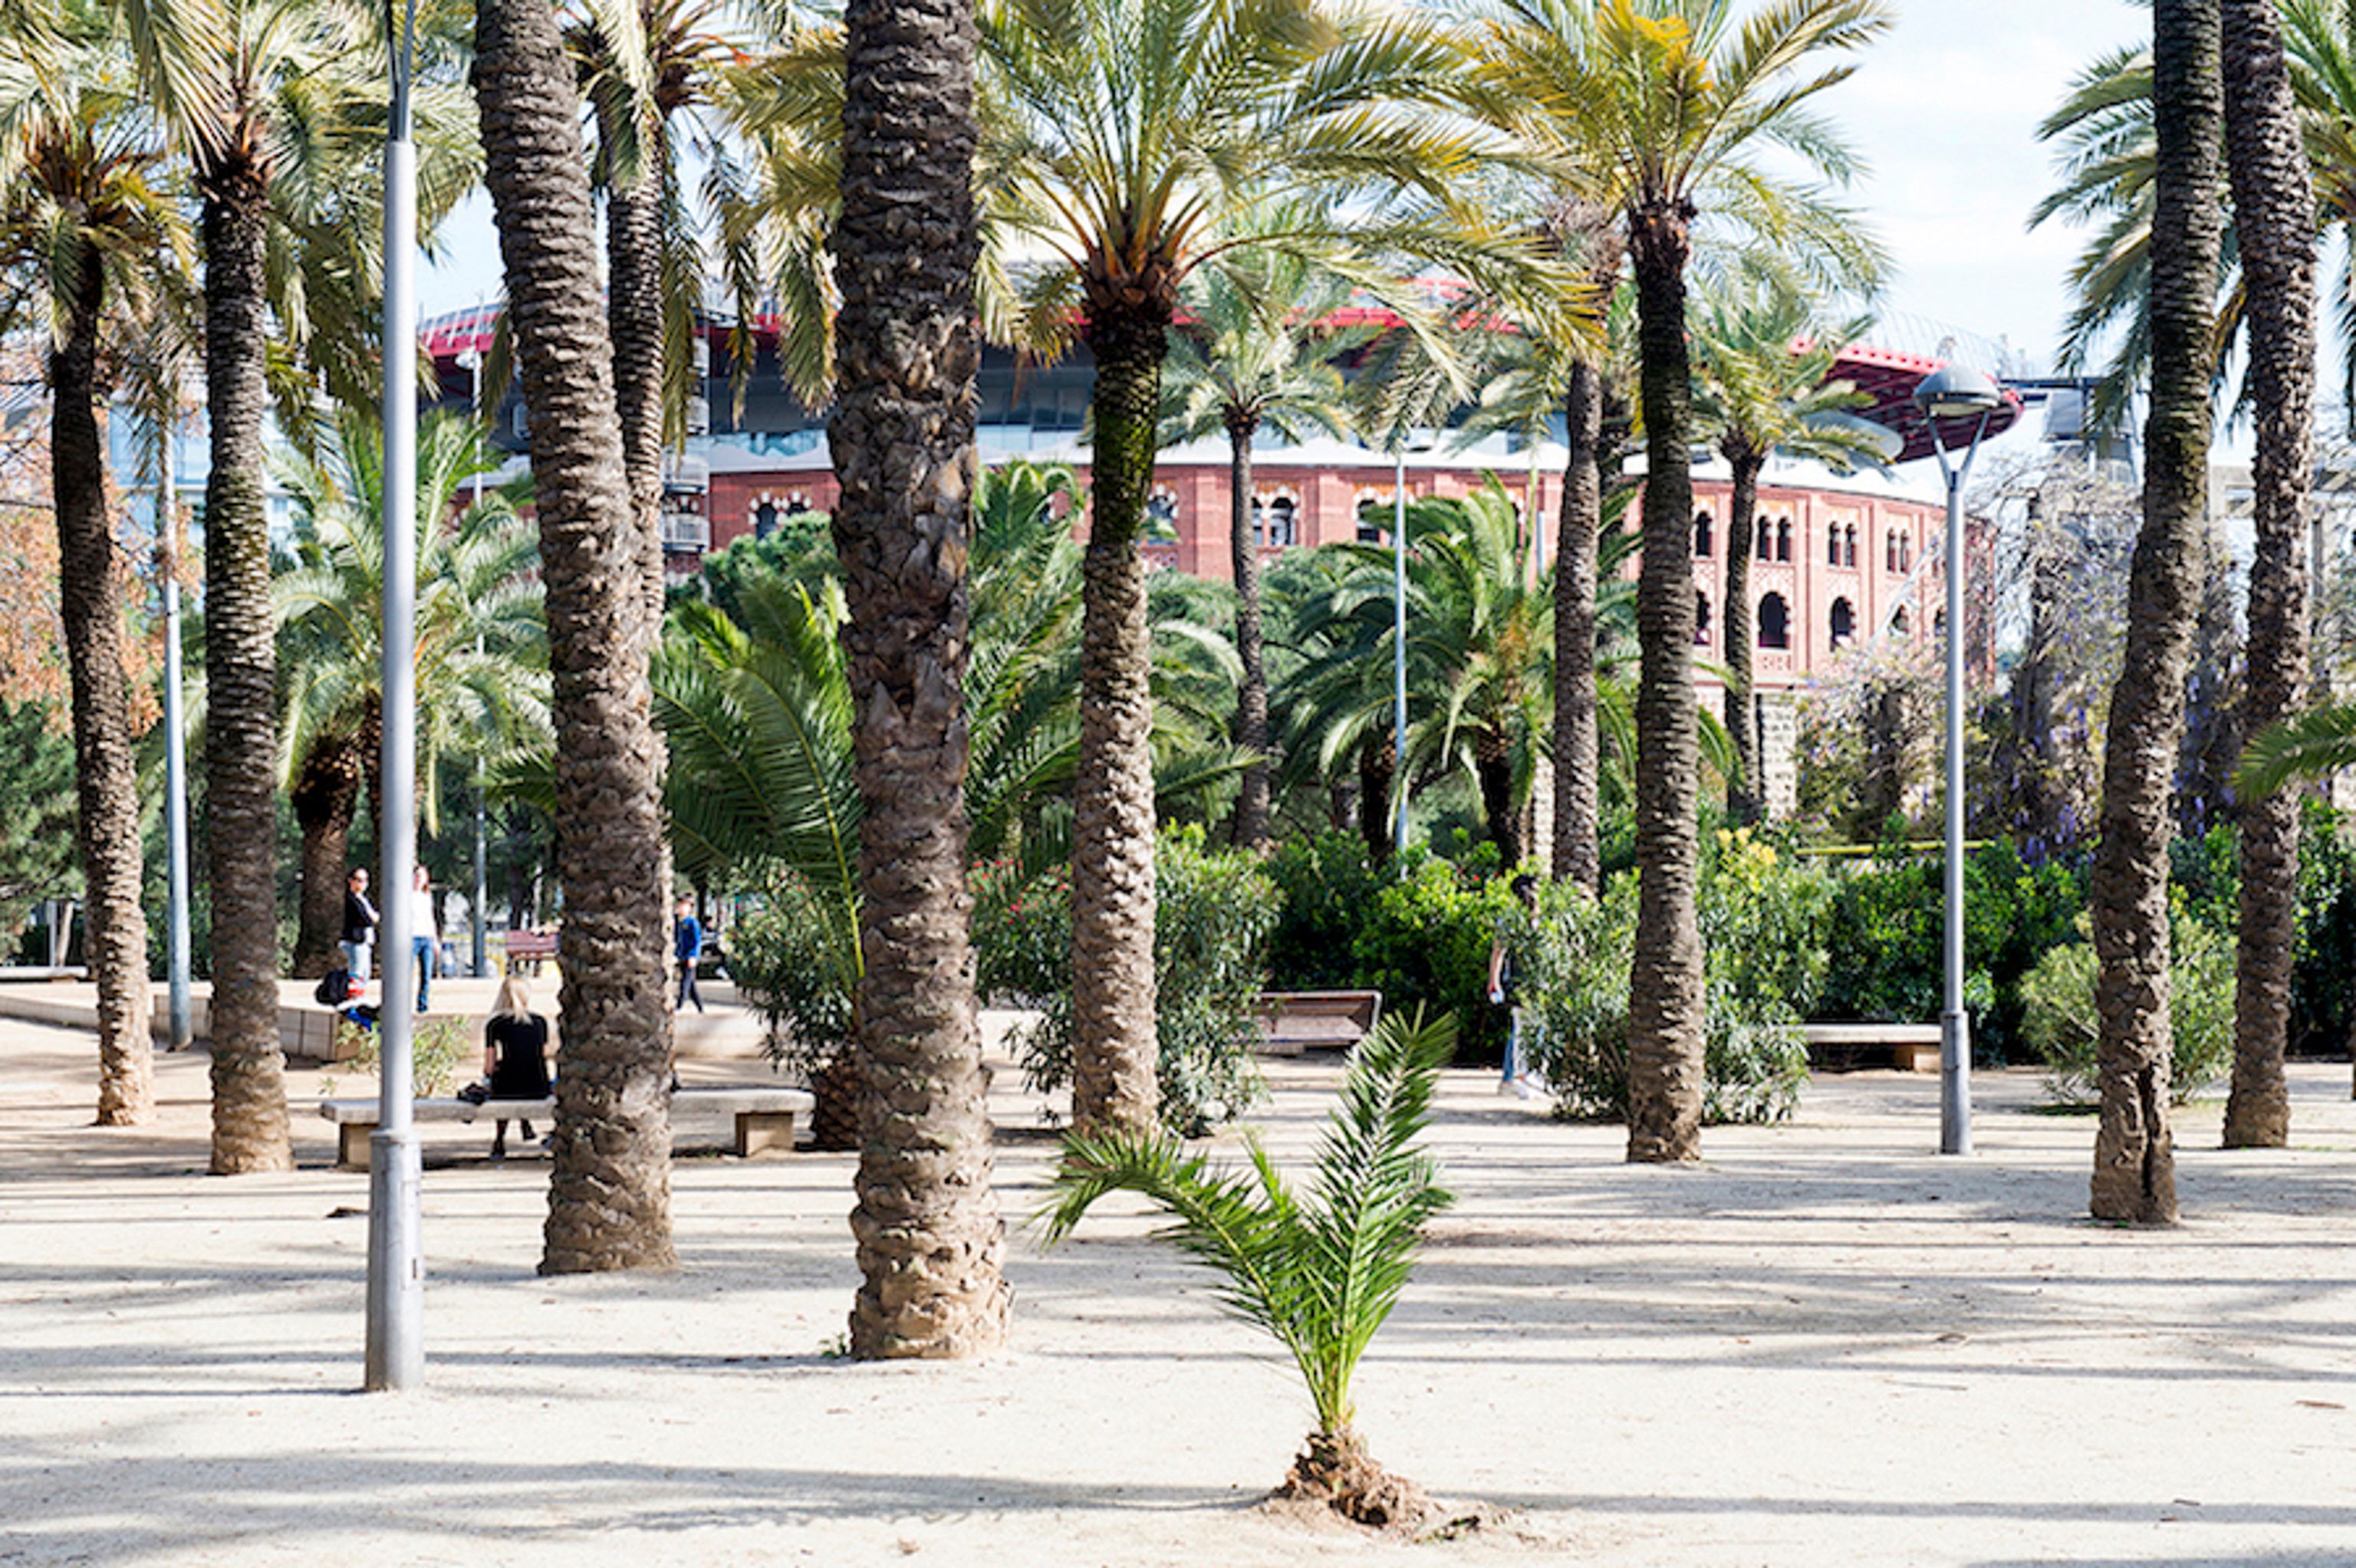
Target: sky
[1946, 107]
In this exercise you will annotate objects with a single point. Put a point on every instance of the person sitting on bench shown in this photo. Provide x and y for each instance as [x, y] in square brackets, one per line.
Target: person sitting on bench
[515, 1054]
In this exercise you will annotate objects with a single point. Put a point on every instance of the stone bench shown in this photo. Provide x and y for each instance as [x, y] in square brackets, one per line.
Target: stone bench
[765, 1116]
[1911, 1048]
[1294, 1021]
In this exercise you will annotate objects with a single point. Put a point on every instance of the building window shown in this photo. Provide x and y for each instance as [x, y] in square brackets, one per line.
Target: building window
[1764, 538]
[1774, 622]
[1848, 546]
[1283, 529]
[1162, 514]
[1701, 535]
[1783, 540]
[1832, 546]
[1898, 623]
[1844, 624]
[1701, 619]
[764, 519]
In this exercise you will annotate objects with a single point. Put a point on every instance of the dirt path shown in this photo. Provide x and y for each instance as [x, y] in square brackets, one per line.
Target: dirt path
[1826, 1345]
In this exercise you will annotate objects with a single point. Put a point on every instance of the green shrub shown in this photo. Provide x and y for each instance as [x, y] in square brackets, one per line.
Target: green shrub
[1574, 958]
[2322, 1003]
[1215, 910]
[434, 1052]
[2060, 1020]
[1327, 888]
[1425, 944]
[794, 954]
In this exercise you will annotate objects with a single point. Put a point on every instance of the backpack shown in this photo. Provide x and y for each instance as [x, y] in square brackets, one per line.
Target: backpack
[335, 989]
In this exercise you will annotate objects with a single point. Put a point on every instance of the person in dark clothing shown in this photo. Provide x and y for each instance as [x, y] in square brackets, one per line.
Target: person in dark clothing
[359, 923]
[514, 1054]
[686, 947]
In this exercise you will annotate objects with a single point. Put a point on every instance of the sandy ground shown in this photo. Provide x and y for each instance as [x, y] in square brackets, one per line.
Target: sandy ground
[1824, 1344]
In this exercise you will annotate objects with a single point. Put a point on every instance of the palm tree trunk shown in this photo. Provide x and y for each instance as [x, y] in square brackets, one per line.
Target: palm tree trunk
[1378, 764]
[1578, 751]
[1665, 986]
[249, 1084]
[609, 1197]
[1113, 1044]
[634, 316]
[2274, 215]
[2134, 1161]
[325, 797]
[1743, 791]
[1492, 768]
[89, 584]
[930, 1237]
[1251, 699]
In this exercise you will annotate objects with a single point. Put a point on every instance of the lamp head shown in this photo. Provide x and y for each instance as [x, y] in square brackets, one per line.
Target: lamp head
[1953, 392]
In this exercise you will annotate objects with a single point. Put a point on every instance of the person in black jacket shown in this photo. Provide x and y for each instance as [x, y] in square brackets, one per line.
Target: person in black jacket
[359, 923]
[515, 1054]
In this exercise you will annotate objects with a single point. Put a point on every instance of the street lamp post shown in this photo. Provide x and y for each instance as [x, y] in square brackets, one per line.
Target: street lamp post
[396, 1278]
[1953, 393]
[1402, 444]
[177, 965]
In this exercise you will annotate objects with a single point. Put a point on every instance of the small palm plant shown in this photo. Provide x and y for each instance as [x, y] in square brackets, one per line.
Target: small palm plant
[1323, 1275]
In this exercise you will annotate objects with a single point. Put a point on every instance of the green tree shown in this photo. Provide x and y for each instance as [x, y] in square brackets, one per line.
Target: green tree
[1677, 100]
[609, 1199]
[481, 641]
[2135, 1177]
[1321, 1275]
[1257, 352]
[84, 219]
[1765, 387]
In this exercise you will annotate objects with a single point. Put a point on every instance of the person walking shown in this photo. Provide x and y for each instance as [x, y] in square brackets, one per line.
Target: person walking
[686, 947]
[1504, 991]
[424, 935]
[360, 925]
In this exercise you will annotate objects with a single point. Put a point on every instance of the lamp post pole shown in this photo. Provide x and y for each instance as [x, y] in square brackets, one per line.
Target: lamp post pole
[1951, 393]
[1398, 648]
[396, 1282]
[175, 756]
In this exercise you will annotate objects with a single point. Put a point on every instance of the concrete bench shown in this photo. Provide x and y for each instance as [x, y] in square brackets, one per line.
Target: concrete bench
[1294, 1021]
[1911, 1048]
[528, 948]
[765, 1116]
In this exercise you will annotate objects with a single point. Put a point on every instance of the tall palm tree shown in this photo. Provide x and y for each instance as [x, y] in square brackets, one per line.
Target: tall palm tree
[2273, 208]
[480, 639]
[2135, 1176]
[930, 1238]
[82, 221]
[609, 1199]
[1214, 109]
[1665, 105]
[1766, 387]
[1255, 352]
[278, 104]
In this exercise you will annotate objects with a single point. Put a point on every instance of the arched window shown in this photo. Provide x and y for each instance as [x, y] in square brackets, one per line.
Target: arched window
[764, 519]
[1774, 622]
[1848, 545]
[1844, 623]
[1162, 514]
[1890, 551]
[1905, 553]
[1832, 546]
[1701, 534]
[1701, 619]
[1898, 625]
[1275, 521]
[1764, 535]
[1783, 540]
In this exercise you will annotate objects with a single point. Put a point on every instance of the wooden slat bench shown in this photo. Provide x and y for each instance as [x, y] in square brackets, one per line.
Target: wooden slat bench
[531, 948]
[1294, 1021]
[765, 1116]
[1911, 1048]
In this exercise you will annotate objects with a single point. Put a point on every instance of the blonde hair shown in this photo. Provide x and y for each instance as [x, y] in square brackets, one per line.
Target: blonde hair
[515, 998]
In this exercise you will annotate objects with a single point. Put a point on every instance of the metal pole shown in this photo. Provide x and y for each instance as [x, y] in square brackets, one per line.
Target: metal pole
[396, 1285]
[1398, 648]
[482, 877]
[1955, 1023]
[176, 762]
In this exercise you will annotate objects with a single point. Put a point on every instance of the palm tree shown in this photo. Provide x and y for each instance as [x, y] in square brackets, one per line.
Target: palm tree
[1322, 1276]
[609, 1199]
[82, 221]
[1255, 352]
[1217, 110]
[1662, 106]
[1765, 388]
[2273, 208]
[929, 1235]
[481, 645]
[276, 103]
[2135, 1177]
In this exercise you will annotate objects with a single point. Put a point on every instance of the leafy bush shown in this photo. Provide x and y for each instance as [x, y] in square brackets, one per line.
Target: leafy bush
[2322, 1003]
[2059, 1015]
[1326, 885]
[794, 953]
[1425, 944]
[1211, 931]
[1574, 954]
[434, 1052]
